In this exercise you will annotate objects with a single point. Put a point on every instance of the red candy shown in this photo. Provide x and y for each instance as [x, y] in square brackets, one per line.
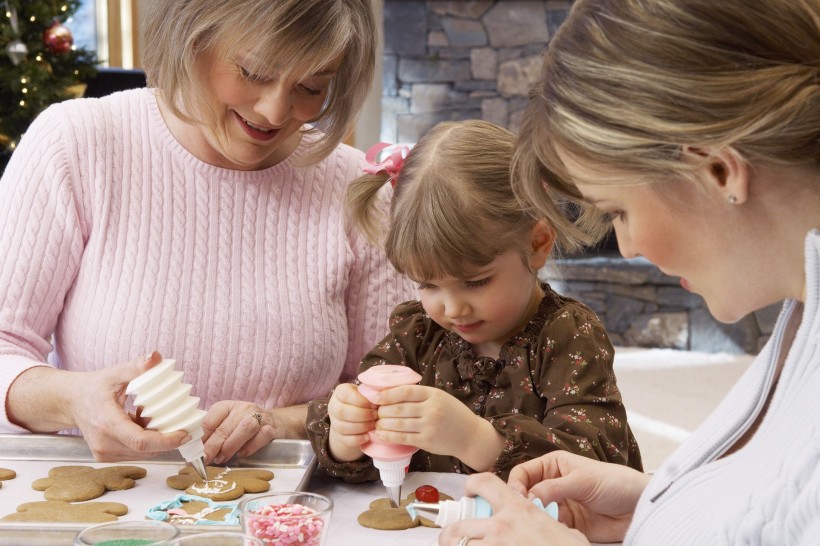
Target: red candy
[427, 493]
[286, 524]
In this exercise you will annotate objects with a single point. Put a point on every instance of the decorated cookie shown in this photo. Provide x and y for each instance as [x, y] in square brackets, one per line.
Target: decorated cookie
[61, 511]
[6, 474]
[194, 510]
[387, 518]
[223, 483]
[81, 483]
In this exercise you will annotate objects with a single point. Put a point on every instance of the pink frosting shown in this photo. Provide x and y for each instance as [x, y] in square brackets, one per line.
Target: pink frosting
[286, 524]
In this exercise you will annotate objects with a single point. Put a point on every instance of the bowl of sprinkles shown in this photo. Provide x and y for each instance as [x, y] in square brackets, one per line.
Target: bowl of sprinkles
[127, 533]
[287, 519]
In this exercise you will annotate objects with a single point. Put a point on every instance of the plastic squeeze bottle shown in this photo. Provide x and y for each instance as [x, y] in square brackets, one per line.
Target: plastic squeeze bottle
[447, 512]
[166, 401]
[392, 460]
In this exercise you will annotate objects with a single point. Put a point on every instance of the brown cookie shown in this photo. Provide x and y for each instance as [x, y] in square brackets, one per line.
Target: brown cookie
[6, 474]
[223, 483]
[381, 515]
[81, 483]
[60, 511]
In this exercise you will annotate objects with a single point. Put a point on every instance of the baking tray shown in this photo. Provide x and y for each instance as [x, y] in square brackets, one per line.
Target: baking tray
[33, 455]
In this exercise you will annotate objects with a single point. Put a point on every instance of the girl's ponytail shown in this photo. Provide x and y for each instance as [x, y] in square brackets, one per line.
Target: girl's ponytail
[360, 197]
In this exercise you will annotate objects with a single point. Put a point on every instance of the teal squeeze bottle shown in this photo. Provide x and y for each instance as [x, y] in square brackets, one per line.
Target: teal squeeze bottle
[450, 511]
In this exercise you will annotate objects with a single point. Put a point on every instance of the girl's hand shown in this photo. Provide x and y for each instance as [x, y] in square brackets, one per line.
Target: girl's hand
[239, 428]
[435, 421]
[352, 416]
[515, 520]
[595, 497]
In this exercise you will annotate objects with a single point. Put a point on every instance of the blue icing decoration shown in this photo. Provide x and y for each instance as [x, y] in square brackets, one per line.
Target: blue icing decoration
[160, 511]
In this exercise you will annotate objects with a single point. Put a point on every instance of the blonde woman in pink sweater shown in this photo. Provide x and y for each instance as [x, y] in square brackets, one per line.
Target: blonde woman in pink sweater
[198, 219]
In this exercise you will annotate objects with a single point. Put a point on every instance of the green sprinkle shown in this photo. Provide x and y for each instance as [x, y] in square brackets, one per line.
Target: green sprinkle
[125, 542]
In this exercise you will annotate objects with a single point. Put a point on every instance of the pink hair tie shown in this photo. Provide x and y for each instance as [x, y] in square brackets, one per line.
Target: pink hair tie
[391, 164]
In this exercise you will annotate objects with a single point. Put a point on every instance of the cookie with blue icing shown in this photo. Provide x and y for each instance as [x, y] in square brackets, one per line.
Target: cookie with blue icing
[195, 510]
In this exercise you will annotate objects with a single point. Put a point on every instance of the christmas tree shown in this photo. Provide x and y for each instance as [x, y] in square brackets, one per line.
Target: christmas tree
[40, 66]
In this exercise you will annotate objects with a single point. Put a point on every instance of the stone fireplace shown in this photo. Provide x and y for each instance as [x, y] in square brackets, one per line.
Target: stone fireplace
[456, 60]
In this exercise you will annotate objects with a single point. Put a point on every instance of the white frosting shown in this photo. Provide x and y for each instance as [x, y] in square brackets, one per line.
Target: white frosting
[189, 519]
[216, 485]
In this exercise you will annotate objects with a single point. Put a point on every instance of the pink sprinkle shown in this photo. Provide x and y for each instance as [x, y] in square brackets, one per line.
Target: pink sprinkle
[285, 524]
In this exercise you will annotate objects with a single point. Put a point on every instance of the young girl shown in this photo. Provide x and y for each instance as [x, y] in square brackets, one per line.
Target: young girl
[510, 369]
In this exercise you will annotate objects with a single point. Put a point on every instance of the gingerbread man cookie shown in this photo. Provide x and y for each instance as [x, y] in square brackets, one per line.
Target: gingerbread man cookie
[381, 515]
[223, 483]
[81, 483]
[193, 510]
[66, 512]
[6, 474]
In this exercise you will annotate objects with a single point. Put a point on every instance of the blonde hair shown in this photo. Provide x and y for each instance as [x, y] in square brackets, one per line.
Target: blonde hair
[627, 84]
[453, 209]
[284, 36]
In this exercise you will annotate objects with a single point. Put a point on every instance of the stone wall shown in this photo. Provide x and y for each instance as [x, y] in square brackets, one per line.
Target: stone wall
[455, 60]
[642, 307]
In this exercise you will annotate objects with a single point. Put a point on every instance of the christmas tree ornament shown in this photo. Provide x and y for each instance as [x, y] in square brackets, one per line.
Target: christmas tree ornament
[58, 39]
[16, 51]
[34, 75]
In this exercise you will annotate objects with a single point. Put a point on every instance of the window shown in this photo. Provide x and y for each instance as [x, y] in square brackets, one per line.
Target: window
[109, 27]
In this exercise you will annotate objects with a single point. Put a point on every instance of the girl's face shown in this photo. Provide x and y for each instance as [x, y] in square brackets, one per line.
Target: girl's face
[488, 308]
[254, 120]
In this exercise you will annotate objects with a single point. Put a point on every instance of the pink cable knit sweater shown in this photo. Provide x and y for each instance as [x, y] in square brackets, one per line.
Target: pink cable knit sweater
[118, 241]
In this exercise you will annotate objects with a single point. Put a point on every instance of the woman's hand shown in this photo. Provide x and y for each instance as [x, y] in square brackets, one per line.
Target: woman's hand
[515, 520]
[435, 421]
[43, 399]
[235, 427]
[352, 416]
[595, 497]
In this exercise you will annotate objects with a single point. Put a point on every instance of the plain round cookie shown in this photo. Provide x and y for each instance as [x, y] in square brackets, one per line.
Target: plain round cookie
[6, 474]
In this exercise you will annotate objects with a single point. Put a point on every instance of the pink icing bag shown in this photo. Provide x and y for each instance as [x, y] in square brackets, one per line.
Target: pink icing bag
[392, 460]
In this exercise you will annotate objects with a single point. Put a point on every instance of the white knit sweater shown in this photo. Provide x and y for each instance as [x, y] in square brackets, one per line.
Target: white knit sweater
[767, 492]
[118, 241]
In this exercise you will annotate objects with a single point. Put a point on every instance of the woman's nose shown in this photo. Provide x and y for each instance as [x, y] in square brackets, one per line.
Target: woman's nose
[625, 246]
[274, 104]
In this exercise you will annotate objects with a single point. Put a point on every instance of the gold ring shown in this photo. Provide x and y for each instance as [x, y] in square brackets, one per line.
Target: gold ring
[258, 416]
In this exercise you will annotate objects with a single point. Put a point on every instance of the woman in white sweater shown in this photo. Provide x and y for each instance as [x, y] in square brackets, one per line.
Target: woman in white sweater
[694, 127]
[199, 219]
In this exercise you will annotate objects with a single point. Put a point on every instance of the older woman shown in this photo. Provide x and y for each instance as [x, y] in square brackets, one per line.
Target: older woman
[200, 218]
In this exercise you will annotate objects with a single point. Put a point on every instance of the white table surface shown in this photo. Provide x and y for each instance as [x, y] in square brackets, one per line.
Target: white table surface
[350, 500]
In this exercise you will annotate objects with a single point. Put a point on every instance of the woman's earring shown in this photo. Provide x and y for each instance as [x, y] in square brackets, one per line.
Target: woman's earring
[733, 200]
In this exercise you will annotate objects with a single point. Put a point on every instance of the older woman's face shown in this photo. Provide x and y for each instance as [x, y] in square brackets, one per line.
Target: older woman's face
[255, 119]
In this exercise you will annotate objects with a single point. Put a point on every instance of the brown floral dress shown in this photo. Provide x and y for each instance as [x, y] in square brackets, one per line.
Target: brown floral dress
[553, 387]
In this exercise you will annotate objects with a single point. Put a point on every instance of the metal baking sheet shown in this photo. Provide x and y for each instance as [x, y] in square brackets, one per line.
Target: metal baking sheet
[31, 456]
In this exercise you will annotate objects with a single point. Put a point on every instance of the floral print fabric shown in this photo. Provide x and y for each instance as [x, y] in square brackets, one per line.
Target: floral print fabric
[553, 387]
